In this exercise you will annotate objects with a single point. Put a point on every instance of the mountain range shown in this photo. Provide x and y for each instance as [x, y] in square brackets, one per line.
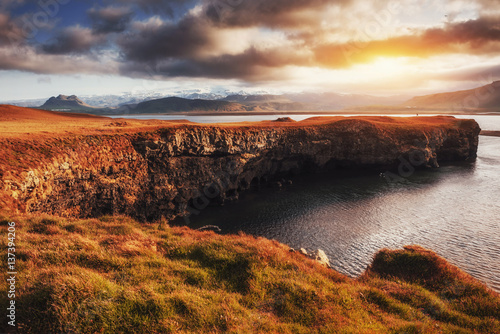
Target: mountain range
[230, 103]
[481, 98]
[485, 98]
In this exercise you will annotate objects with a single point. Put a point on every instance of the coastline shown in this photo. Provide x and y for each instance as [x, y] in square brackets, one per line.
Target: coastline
[154, 169]
[347, 112]
[100, 270]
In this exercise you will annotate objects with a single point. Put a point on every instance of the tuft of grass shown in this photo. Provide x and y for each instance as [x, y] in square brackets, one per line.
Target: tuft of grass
[114, 275]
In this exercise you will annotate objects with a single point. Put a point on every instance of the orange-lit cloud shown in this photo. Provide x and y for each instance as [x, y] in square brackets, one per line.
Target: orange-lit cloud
[480, 36]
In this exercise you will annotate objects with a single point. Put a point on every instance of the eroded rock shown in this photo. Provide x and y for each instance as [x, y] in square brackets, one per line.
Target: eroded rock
[178, 171]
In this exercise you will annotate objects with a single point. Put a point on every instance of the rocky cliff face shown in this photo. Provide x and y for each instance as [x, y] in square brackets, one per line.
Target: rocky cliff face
[177, 171]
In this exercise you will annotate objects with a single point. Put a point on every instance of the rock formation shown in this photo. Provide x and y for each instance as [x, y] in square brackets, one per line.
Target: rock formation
[179, 170]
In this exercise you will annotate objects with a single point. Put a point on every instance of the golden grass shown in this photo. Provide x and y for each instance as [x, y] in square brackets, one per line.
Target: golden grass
[114, 275]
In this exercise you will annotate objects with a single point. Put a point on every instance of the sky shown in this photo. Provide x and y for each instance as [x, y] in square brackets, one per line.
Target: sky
[384, 47]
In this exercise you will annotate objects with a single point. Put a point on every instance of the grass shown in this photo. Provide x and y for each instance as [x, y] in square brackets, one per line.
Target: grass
[114, 275]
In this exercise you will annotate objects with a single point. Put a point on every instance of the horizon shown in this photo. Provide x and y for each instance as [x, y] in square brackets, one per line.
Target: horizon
[408, 48]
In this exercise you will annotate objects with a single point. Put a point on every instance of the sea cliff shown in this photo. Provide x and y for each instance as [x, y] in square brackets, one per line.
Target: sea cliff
[113, 274]
[176, 169]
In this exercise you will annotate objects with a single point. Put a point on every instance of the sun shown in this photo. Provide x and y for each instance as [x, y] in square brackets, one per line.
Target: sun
[387, 66]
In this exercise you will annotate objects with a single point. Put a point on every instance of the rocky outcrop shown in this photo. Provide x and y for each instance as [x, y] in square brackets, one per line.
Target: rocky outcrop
[318, 255]
[178, 171]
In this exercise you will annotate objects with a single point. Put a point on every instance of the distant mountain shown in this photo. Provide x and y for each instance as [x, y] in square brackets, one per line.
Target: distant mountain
[248, 99]
[485, 97]
[177, 104]
[67, 103]
[266, 102]
[201, 96]
[336, 101]
[235, 102]
[164, 105]
[29, 103]
[311, 101]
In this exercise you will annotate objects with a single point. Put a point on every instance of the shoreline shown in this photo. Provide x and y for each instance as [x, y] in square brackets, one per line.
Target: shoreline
[312, 113]
[238, 154]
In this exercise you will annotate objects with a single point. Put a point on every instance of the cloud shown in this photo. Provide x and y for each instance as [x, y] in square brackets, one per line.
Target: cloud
[157, 39]
[275, 13]
[485, 73]
[110, 19]
[476, 33]
[9, 31]
[159, 7]
[4, 4]
[275, 35]
[29, 59]
[73, 40]
[479, 37]
[192, 46]
[251, 65]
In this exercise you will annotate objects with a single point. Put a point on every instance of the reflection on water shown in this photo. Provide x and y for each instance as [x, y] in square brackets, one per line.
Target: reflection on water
[454, 210]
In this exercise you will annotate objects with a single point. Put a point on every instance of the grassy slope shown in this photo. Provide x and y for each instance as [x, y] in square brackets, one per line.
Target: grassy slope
[114, 275]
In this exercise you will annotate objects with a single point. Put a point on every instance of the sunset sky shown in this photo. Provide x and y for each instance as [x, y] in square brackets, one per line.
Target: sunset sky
[48, 47]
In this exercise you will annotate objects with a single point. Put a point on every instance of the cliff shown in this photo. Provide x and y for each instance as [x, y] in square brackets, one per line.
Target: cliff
[168, 170]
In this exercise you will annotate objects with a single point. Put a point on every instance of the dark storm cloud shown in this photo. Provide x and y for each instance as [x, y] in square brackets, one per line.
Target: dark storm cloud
[250, 65]
[153, 41]
[110, 19]
[187, 40]
[73, 40]
[276, 13]
[474, 32]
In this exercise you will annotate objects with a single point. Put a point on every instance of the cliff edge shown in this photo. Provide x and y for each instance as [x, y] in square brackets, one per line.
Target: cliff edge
[150, 170]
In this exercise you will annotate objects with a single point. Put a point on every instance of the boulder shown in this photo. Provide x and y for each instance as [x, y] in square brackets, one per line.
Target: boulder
[321, 257]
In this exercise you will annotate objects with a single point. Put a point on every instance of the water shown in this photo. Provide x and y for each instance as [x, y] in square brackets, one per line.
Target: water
[483, 120]
[453, 210]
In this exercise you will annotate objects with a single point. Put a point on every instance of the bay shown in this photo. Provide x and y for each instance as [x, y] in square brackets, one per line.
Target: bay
[453, 210]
